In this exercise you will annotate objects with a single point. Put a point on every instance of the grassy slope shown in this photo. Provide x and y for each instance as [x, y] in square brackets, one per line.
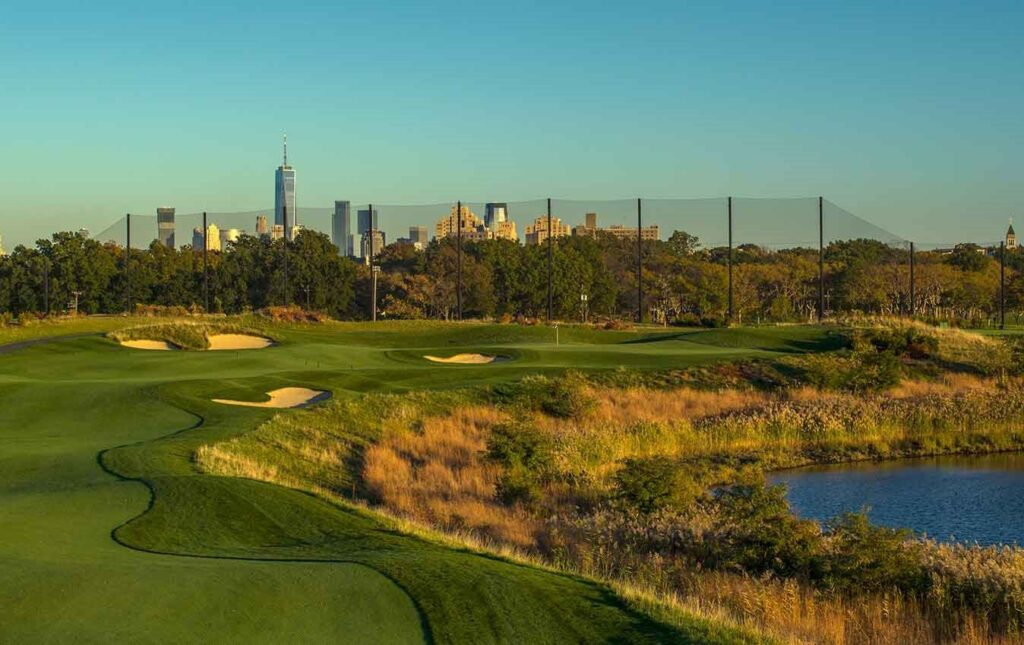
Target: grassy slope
[61, 403]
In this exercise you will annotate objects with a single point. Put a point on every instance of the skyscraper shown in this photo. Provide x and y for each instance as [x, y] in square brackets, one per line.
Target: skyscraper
[284, 192]
[261, 226]
[363, 223]
[165, 226]
[494, 214]
[419, 236]
[341, 228]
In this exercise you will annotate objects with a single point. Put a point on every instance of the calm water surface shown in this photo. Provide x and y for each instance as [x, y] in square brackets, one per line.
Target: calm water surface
[970, 499]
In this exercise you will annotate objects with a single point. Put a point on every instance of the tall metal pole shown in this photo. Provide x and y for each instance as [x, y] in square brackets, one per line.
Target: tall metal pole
[551, 263]
[128, 260]
[821, 258]
[639, 264]
[373, 269]
[206, 270]
[1002, 285]
[458, 255]
[287, 285]
[730, 262]
[913, 300]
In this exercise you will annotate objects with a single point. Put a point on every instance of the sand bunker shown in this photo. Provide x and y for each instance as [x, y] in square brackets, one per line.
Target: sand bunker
[286, 397]
[161, 345]
[468, 359]
[237, 341]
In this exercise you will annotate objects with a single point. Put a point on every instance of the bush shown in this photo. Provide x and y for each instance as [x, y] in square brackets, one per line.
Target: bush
[865, 558]
[562, 398]
[758, 534]
[526, 454]
[653, 484]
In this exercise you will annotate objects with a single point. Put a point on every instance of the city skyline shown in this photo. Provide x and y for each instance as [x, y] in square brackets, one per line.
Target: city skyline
[874, 105]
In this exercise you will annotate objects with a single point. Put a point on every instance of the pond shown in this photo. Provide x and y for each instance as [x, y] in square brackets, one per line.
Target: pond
[969, 499]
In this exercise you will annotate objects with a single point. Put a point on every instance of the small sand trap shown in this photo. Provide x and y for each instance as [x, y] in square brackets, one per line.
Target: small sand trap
[161, 345]
[286, 397]
[237, 341]
[468, 359]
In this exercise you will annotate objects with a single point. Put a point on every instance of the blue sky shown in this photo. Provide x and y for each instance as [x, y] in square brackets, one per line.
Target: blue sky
[907, 114]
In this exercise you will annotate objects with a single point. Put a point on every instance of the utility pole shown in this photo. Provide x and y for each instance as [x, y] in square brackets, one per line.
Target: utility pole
[458, 253]
[128, 261]
[46, 285]
[639, 264]
[76, 294]
[729, 260]
[206, 271]
[821, 258]
[551, 263]
[285, 240]
[372, 232]
[306, 289]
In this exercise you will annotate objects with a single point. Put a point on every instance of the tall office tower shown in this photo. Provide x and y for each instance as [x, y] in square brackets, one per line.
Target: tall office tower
[212, 238]
[197, 238]
[341, 227]
[363, 223]
[419, 236]
[262, 229]
[374, 237]
[165, 226]
[591, 220]
[276, 232]
[229, 235]
[284, 192]
[495, 214]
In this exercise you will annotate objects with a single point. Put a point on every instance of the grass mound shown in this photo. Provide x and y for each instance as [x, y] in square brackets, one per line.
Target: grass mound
[184, 335]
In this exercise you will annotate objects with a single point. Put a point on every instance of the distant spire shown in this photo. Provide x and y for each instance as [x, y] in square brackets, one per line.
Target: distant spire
[286, 150]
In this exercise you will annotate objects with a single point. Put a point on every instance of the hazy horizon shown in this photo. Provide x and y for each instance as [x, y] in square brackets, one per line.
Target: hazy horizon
[907, 116]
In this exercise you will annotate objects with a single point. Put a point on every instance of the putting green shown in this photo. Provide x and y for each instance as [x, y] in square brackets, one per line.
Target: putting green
[108, 532]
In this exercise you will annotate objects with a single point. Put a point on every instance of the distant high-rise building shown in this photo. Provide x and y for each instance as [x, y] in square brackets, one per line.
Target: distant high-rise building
[213, 237]
[590, 220]
[494, 214]
[472, 226]
[229, 235]
[376, 239]
[419, 236]
[262, 230]
[84, 232]
[284, 191]
[589, 228]
[341, 227]
[197, 238]
[1011, 237]
[537, 233]
[165, 226]
[364, 223]
[2, 251]
[277, 231]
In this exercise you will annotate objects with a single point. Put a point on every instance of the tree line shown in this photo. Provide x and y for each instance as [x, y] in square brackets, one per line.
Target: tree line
[592, 277]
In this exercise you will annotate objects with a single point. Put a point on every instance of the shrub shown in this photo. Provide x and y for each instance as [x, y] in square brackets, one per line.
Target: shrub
[864, 558]
[526, 454]
[562, 398]
[653, 484]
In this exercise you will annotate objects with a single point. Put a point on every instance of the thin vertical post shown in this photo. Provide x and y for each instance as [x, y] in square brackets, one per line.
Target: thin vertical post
[128, 261]
[284, 239]
[550, 263]
[639, 263]
[46, 285]
[1002, 285]
[458, 253]
[373, 272]
[731, 312]
[913, 300]
[206, 269]
[821, 258]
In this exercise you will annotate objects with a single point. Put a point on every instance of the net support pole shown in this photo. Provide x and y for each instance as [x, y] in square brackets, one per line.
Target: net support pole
[639, 262]
[821, 258]
[458, 261]
[128, 262]
[46, 285]
[551, 264]
[913, 299]
[206, 266]
[1002, 285]
[729, 260]
[373, 268]
[284, 239]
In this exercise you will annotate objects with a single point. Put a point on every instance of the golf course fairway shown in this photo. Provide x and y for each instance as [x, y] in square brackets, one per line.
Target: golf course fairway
[109, 533]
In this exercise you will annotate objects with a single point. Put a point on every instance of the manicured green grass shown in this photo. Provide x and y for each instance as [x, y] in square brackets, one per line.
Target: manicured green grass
[109, 532]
